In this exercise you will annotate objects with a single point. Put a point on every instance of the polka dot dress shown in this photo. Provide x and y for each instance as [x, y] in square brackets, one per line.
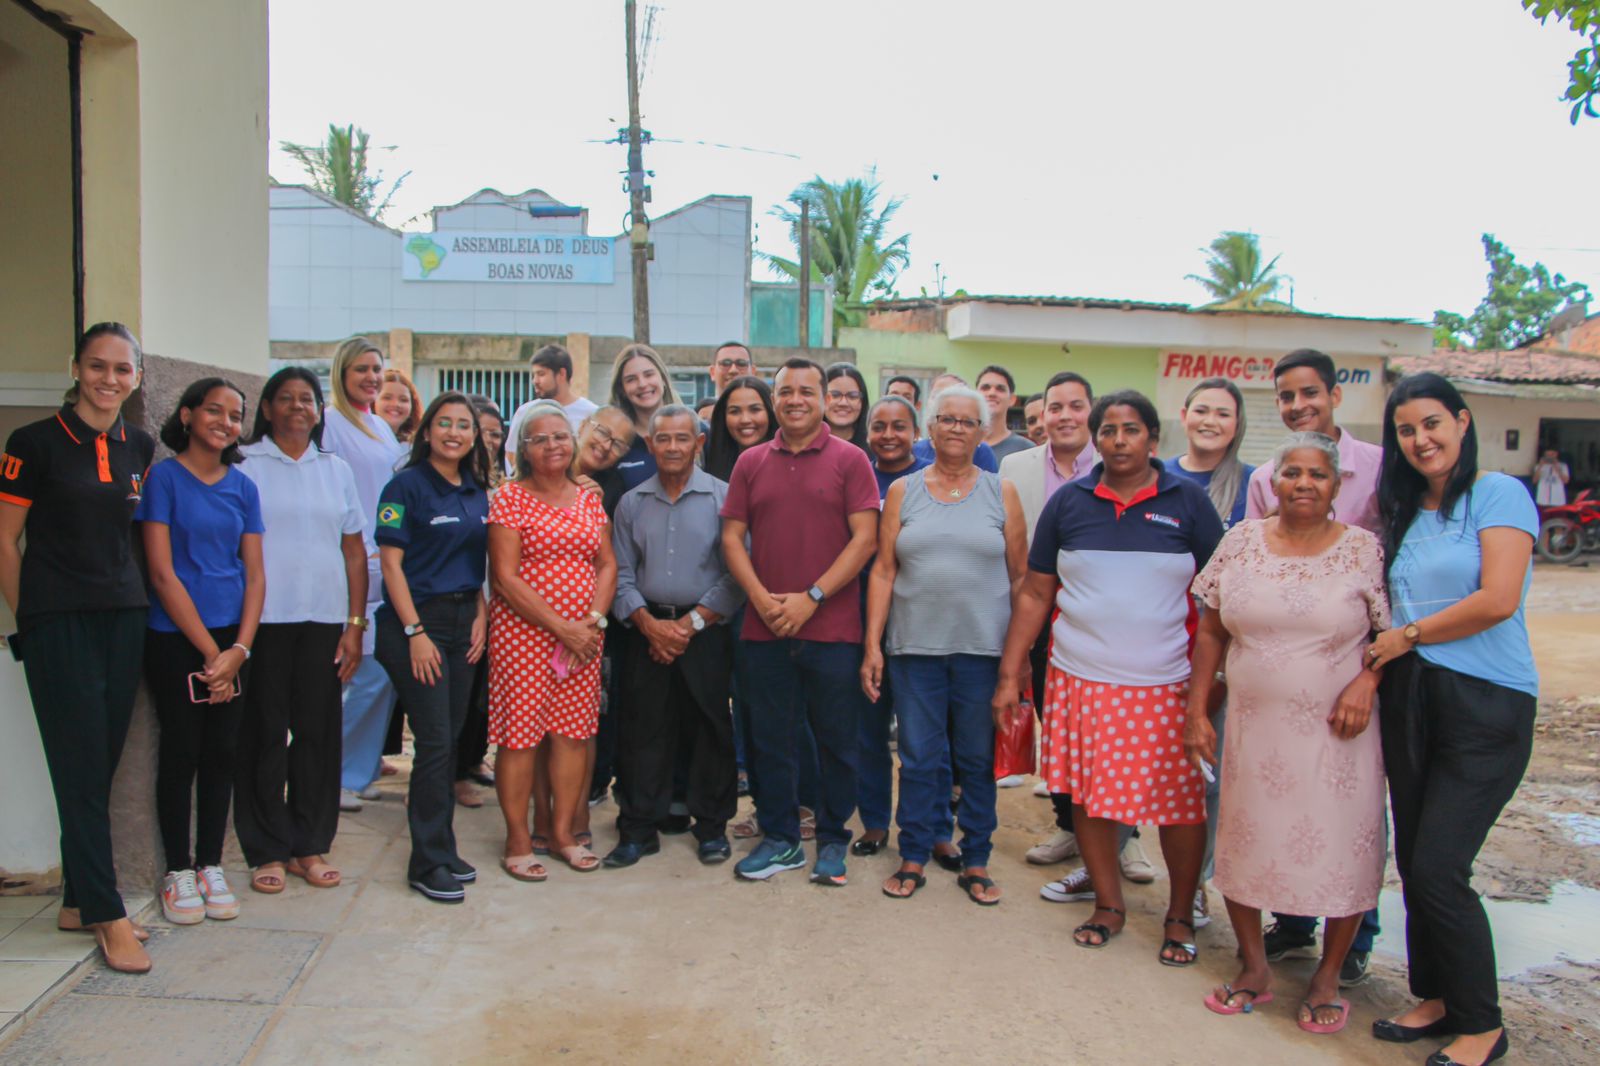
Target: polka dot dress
[559, 546]
[1118, 750]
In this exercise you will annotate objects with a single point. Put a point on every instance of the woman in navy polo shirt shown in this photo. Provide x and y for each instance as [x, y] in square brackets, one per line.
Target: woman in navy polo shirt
[71, 482]
[201, 524]
[433, 539]
[1125, 543]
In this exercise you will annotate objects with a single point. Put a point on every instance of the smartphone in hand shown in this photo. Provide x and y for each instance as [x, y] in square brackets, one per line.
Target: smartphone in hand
[200, 692]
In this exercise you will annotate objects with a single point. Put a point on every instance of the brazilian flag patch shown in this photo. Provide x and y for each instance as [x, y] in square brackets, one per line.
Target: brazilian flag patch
[391, 515]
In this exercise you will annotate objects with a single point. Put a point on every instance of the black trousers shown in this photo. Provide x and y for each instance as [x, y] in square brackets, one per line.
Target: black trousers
[607, 766]
[1455, 748]
[661, 704]
[1038, 664]
[290, 738]
[473, 744]
[196, 750]
[82, 669]
[437, 712]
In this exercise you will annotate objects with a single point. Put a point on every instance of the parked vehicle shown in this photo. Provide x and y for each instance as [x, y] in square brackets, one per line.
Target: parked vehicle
[1567, 531]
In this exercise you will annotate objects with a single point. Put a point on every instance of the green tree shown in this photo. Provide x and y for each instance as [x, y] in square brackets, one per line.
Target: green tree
[1583, 69]
[1515, 311]
[338, 169]
[850, 246]
[1235, 276]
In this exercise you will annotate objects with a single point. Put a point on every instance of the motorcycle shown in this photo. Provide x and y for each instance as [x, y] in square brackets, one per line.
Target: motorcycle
[1567, 531]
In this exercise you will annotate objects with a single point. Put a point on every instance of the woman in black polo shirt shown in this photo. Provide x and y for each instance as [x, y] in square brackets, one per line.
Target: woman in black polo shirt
[71, 482]
[433, 539]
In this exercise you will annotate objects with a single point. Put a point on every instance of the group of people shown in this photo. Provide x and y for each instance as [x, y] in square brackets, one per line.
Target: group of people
[752, 596]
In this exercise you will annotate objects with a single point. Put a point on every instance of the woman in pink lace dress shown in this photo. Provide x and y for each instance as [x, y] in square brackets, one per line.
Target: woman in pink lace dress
[1293, 599]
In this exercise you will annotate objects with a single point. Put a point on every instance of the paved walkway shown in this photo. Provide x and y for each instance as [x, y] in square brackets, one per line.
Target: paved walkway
[666, 962]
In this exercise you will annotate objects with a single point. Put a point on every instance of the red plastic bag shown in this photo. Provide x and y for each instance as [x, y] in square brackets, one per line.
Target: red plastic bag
[1013, 741]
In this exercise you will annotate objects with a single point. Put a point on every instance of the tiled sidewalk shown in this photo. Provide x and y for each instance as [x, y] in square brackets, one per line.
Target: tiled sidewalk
[35, 956]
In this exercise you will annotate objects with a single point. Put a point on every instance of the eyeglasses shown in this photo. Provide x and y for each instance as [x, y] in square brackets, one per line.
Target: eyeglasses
[544, 440]
[608, 438]
[952, 422]
[734, 364]
[851, 395]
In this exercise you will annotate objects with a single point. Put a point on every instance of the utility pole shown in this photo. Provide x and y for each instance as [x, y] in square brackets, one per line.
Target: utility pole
[805, 273]
[639, 232]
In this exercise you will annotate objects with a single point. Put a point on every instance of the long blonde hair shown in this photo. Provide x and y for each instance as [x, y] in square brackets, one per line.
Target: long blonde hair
[349, 352]
[619, 398]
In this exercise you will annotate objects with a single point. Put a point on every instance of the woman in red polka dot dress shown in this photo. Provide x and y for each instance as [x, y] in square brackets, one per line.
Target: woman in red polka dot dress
[1116, 551]
[554, 576]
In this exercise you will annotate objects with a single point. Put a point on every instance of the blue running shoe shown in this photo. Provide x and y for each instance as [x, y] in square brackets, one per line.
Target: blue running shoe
[770, 857]
[829, 869]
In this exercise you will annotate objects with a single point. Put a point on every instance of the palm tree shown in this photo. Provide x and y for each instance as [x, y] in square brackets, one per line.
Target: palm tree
[849, 244]
[1235, 277]
[338, 169]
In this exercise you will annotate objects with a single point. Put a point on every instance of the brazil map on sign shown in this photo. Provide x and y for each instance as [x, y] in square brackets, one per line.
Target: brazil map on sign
[429, 254]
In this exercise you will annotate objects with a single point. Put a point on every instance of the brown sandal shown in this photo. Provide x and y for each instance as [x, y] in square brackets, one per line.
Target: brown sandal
[522, 867]
[316, 872]
[69, 920]
[269, 878]
[580, 858]
[135, 960]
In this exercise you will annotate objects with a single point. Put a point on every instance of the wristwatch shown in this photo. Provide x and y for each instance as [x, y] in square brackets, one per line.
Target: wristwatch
[697, 621]
[1412, 634]
[412, 631]
[816, 594]
[600, 621]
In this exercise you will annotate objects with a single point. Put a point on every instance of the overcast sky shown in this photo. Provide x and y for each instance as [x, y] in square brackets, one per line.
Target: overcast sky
[1059, 148]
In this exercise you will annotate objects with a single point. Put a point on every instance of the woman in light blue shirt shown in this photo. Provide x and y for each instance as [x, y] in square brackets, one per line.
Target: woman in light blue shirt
[1457, 702]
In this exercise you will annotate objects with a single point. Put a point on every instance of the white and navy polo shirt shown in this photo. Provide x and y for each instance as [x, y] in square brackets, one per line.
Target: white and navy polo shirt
[1125, 569]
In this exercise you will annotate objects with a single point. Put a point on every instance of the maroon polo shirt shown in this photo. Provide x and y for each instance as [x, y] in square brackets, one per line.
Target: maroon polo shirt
[798, 507]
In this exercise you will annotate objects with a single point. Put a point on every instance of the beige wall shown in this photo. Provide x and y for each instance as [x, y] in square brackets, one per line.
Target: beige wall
[35, 198]
[1496, 414]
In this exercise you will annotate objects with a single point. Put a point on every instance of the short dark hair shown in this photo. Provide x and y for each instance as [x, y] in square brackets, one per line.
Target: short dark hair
[269, 392]
[1037, 397]
[916, 390]
[176, 436]
[1310, 359]
[1126, 398]
[553, 357]
[1069, 377]
[800, 362]
[1011, 382]
[731, 344]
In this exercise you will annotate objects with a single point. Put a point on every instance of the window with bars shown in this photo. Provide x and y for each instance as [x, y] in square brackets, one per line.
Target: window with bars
[508, 387]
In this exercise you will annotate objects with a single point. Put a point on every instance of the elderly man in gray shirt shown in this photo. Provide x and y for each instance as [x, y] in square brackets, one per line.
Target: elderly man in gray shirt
[673, 587]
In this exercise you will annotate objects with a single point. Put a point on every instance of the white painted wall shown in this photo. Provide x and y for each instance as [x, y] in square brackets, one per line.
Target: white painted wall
[30, 835]
[1496, 414]
[333, 274]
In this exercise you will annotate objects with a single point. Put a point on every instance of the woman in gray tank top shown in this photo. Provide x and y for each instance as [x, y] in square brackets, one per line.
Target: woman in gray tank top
[951, 544]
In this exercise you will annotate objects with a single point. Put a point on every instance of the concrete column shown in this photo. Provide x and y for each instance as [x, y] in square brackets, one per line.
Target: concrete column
[400, 345]
[578, 348]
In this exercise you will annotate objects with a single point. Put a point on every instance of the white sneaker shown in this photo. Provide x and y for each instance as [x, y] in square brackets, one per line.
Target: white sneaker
[1042, 789]
[220, 902]
[1135, 867]
[1202, 908]
[371, 793]
[180, 899]
[348, 800]
[1009, 781]
[1059, 848]
[1072, 888]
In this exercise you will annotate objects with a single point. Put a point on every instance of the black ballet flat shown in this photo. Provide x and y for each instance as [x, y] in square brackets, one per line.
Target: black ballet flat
[1395, 1033]
[1501, 1046]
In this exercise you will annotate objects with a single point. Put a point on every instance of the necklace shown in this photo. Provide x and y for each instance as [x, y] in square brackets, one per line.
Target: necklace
[955, 490]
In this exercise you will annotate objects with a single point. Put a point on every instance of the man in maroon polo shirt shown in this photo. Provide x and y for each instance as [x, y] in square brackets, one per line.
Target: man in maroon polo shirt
[809, 504]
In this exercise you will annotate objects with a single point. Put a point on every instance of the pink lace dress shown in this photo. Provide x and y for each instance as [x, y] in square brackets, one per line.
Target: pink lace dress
[1301, 825]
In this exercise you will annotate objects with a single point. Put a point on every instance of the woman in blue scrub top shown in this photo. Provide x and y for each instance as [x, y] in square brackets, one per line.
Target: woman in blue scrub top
[433, 539]
[1457, 703]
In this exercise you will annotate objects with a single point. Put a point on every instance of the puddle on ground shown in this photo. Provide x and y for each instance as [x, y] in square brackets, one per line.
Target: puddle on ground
[1526, 934]
[1585, 828]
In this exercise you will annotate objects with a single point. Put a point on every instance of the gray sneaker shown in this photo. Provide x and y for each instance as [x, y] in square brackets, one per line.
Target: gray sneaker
[829, 869]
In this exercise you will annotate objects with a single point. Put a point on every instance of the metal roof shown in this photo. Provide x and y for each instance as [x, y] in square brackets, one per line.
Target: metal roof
[1101, 303]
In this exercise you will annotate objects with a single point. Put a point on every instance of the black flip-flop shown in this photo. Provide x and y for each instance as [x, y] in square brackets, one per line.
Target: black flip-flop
[1188, 947]
[966, 881]
[949, 862]
[1104, 932]
[865, 847]
[906, 877]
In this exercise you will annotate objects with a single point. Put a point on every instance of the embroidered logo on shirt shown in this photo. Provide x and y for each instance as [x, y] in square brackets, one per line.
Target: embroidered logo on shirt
[391, 515]
[138, 487]
[1164, 519]
[443, 520]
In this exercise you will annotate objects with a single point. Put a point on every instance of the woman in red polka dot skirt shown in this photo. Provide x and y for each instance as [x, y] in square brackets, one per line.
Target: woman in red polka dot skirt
[554, 576]
[1116, 551]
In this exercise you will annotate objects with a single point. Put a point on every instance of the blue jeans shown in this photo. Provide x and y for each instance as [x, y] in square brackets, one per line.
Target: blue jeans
[942, 703]
[1364, 936]
[876, 780]
[791, 683]
[368, 700]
